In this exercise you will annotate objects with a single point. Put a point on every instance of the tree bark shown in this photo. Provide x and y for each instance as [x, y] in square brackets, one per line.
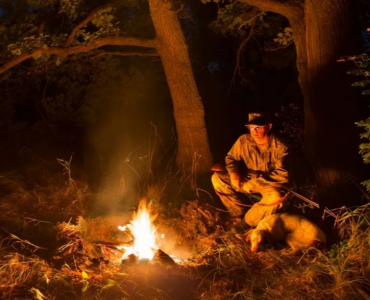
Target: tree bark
[193, 149]
[331, 139]
[322, 33]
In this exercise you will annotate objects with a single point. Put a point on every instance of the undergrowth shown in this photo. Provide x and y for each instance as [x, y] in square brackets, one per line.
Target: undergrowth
[44, 254]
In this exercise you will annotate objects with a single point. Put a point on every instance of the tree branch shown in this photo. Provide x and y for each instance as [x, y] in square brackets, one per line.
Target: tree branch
[287, 8]
[241, 47]
[63, 52]
[144, 54]
[84, 23]
[269, 48]
[293, 10]
[250, 19]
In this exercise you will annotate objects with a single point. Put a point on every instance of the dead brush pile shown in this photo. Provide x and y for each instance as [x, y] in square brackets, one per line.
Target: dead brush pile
[18, 271]
[24, 201]
[30, 208]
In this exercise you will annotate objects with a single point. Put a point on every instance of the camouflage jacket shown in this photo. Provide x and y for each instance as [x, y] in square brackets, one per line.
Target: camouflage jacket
[271, 163]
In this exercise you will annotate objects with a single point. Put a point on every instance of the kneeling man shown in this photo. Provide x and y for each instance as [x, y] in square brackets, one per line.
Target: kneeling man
[255, 164]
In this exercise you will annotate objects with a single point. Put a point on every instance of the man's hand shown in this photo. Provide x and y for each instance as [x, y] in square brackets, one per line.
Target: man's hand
[235, 180]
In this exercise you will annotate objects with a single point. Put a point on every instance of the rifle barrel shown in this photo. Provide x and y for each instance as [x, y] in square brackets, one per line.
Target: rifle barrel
[302, 197]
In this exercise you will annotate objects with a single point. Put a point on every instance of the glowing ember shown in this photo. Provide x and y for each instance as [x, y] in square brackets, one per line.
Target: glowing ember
[143, 231]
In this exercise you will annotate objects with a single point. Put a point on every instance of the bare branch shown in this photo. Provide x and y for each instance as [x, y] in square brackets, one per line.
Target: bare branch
[84, 23]
[250, 20]
[127, 54]
[269, 48]
[63, 52]
[287, 8]
[241, 47]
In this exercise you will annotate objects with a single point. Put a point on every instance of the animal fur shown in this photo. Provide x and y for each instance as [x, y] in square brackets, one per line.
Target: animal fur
[295, 230]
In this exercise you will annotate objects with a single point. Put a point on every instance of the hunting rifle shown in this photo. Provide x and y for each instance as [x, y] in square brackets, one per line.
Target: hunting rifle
[256, 174]
[253, 174]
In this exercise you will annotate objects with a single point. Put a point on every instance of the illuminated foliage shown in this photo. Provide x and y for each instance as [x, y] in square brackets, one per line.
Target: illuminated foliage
[235, 17]
[261, 34]
[362, 63]
[59, 90]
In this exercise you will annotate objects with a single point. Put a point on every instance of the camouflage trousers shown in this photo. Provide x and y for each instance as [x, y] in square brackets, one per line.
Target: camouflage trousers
[228, 195]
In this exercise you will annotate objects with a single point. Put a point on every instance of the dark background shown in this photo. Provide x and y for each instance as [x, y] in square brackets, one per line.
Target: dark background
[123, 108]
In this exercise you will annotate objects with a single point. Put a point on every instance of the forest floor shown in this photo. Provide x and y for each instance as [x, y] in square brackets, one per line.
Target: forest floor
[54, 247]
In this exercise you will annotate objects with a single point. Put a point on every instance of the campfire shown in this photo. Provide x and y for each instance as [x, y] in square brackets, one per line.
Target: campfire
[144, 235]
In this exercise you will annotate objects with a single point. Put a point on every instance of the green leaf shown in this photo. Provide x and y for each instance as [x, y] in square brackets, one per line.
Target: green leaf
[366, 184]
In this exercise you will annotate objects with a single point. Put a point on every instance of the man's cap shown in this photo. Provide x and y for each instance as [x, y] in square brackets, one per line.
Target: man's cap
[259, 118]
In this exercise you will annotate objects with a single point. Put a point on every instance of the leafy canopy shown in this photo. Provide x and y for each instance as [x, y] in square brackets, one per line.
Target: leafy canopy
[33, 24]
[59, 88]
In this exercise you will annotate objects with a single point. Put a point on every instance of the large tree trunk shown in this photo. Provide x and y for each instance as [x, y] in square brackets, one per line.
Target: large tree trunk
[330, 131]
[193, 149]
[322, 33]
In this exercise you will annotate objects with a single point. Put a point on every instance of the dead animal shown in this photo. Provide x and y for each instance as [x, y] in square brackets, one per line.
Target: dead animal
[295, 230]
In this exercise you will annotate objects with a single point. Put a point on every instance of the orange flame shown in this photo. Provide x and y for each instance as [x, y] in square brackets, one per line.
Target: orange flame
[143, 231]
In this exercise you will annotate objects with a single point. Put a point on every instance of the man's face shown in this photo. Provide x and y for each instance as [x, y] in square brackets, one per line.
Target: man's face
[259, 131]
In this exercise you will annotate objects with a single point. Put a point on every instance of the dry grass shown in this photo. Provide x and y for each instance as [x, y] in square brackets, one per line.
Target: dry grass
[23, 203]
[229, 270]
[220, 266]
[18, 271]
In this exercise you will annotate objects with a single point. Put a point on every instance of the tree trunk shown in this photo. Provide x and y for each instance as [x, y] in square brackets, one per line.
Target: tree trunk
[193, 149]
[322, 34]
[329, 111]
